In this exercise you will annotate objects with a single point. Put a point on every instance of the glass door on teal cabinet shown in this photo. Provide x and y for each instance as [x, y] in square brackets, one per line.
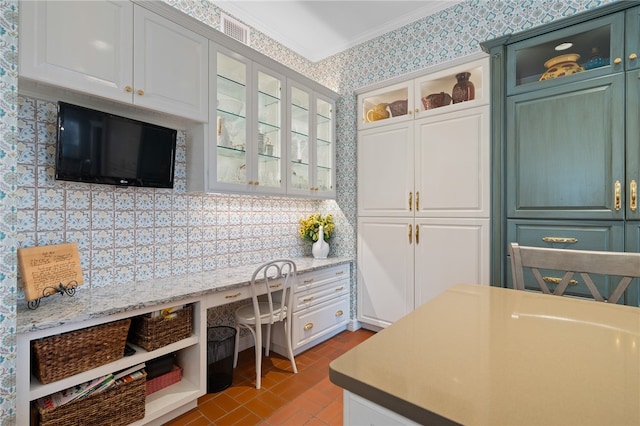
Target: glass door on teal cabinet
[586, 50]
[229, 168]
[565, 151]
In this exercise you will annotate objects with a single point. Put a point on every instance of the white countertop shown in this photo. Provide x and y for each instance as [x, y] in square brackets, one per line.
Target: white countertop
[98, 302]
[479, 355]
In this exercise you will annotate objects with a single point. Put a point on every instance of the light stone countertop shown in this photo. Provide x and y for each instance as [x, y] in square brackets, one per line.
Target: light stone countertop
[480, 355]
[88, 303]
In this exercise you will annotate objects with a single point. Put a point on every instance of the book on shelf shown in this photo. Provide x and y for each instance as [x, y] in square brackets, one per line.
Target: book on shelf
[91, 387]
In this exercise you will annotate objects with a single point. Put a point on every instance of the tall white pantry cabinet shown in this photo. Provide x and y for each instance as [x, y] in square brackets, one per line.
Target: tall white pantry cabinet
[423, 192]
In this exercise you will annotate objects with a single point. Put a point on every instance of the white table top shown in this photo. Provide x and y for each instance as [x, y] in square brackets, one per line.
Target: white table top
[480, 355]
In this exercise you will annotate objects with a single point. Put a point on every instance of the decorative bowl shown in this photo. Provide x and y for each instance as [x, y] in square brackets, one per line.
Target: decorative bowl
[562, 65]
[436, 100]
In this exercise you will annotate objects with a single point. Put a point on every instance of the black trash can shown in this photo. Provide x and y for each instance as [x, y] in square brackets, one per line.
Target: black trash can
[220, 349]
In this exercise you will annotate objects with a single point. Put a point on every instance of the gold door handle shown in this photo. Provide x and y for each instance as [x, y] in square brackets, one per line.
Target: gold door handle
[417, 234]
[560, 240]
[308, 299]
[410, 201]
[339, 313]
[250, 182]
[276, 285]
[556, 280]
[232, 296]
[256, 183]
[633, 56]
[633, 203]
[417, 200]
[410, 234]
[308, 326]
[128, 89]
[617, 60]
[140, 92]
[417, 111]
[617, 191]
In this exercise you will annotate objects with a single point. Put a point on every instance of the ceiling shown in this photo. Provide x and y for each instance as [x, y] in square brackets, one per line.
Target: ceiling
[318, 29]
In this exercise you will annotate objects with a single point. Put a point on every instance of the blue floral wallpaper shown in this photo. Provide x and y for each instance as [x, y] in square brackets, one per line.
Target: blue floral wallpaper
[139, 234]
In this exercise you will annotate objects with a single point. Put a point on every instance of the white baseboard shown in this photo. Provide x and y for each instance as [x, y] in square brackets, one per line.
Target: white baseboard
[354, 325]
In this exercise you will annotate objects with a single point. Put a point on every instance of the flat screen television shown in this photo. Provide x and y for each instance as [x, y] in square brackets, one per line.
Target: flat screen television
[98, 147]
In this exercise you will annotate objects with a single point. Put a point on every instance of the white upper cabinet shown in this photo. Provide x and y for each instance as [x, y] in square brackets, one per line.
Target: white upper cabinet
[115, 50]
[311, 143]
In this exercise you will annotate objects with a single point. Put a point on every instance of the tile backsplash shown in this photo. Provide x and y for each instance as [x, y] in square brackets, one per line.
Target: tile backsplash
[127, 234]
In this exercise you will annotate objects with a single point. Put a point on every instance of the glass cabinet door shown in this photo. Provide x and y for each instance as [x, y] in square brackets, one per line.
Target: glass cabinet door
[231, 125]
[300, 140]
[269, 141]
[324, 158]
[383, 106]
[586, 50]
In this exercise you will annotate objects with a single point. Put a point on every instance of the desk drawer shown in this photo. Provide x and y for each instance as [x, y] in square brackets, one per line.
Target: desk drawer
[313, 323]
[316, 295]
[228, 296]
[314, 279]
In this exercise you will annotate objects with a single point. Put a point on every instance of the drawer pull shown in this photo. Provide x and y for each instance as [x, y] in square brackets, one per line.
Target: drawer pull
[340, 273]
[278, 285]
[232, 296]
[339, 313]
[340, 288]
[556, 280]
[617, 191]
[308, 281]
[308, 326]
[308, 299]
[633, 204]
[410, 201]
[559, 240]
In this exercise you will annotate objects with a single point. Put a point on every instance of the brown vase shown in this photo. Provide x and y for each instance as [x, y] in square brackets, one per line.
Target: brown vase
[464, 89]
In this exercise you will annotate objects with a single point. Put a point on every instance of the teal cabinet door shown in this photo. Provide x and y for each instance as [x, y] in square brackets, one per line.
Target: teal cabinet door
[632, 183]
[632, 39]
[565, 151]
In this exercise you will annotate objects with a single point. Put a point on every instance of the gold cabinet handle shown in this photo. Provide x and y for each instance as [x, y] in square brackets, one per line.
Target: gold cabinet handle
[308, 299]
[128, 89]
[560, 240]
[256, 183]
[417, 200]
[633, 56]
[278, 285]
[340, 273]
[140, 92]
[417, 234]
[232, 296]
[308, 281]
[633, 203]
[308, 326]
[556, 280]
[339, 313]
[417, 110]
[617, 191]
[410, 234]
[617, 60]
[250, 182]
[410, 201]
[340, 288]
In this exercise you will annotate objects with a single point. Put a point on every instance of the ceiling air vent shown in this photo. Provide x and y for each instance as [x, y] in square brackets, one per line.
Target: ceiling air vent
[234, 29]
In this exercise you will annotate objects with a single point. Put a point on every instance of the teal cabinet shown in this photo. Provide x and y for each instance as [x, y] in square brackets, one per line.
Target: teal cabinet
[566, 140]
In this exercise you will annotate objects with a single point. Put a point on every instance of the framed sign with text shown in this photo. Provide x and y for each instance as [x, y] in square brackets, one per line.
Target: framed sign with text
[49, 269]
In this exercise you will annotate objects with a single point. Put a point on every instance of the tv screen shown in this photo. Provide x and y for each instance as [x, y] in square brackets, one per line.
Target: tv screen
[98, 147]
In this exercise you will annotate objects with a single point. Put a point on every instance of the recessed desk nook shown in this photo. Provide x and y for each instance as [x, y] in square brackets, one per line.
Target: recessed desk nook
[321, 310]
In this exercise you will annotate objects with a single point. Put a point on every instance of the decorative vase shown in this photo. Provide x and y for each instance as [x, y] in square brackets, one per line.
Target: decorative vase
[464, 90]
[320, 249]
[561, 65]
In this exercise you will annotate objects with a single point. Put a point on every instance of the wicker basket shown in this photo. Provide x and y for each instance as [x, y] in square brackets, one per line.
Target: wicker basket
[64, 355]
[167, 379]
[119, 405]
[154, 333]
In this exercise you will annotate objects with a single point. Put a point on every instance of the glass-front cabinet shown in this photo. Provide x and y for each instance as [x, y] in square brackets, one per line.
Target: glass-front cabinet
[311, 144]
[249, 113]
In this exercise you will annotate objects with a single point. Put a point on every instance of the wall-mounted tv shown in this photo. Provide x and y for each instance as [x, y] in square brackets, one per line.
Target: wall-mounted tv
[98, 147]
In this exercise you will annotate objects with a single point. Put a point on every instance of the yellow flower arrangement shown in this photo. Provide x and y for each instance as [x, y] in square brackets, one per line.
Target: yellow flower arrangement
[309, 227]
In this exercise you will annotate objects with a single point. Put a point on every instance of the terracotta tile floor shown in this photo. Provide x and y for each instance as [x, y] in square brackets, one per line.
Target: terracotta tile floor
[306, 398]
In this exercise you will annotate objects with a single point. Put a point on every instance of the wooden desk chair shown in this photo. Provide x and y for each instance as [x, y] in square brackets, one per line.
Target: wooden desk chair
[278, 276]
[571, 262]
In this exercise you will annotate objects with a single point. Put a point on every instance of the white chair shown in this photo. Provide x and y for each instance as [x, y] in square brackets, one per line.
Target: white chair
[620, 266]
[273, 281]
